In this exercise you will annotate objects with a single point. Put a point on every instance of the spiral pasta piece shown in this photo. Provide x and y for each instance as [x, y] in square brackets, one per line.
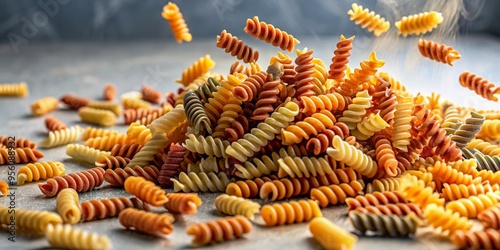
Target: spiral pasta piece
[17, 141]
[65, 236]
[385, 155]
[438, 52]
[169, 121]
[416, 191]
[470, 207]
[14, 89]
[368, 19]
[53, 124]
[382, 224]
[288, 67]
[394, 84]
[305, 166]
[201, 182]
[419, 23]
[233, 205]
[214, 106]
[195, 113]
[270, 34]
[398, 209]
[22, 155]
[108, 208]
[125, 150]
[81, 182]
[322, 141]
[147, 222]
[236, 47]
[451, 192]
[105, 143]
[109, 92]
[340, 59]
[385, 184]
[62, 137]
[91, 132]
[316, 123]
[97, 116]
[369, 126]
[355, 158]
[290, 212]
[43, 106]
[263, 133]
[353, 115]
[375, 199]
[219, 230]
[182, 203]
[331, 236]
[68, 206]
[138, 134]
[74, 102]
[330, 102]
[198, 68]
[489, 130]
[111, 162]
[467, 131]
[268, 97]
[4, 188]
[484, 146]
[490, 217]
[336, 194]
[150, 94]
[304, 80]
[248, 188]
[402, 119]
[447, 220]
[359, 79]
[117, 177]
[106, 105]
[145, 190]
[251, 87]
[152, 147]
[178, 25]
[31, 221]
[84, 153]
[447, 174]
[206, 145]
[39, 171]
[487, 239]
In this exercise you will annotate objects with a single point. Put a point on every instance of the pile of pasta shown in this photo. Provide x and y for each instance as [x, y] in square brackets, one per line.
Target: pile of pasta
[300, 133]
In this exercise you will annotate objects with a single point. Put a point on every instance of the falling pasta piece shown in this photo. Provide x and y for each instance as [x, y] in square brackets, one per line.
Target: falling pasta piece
[368, 19]
[172, 14]
[438, 52]
[419, 23]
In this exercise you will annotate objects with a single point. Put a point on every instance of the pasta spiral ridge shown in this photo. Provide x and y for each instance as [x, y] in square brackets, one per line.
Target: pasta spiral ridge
[168, 121]
[84, 153]
[117, 177]
[263, 133]
[270, 34]
[68, 206]
[368, 19]
[416, 191]
[451, 120]
[290, 212]
[145, 190]
[43, 106]
[53, 124]
[358, 80]
[107, 208]
[215, 105]
[489, 130]
[229, 112]
[336, 194]
[353, 115]
[65, 236]
[132, 115]
[97, 116]
[182, 203]
[447, 174]
[111, 162]
[467, 131]
[369, 126]
[438, 52]
[490, 218]
[34, 222]
[398, 209]
[331, 102]
[14, 89]
[152, 147]
[402, 124]
[219, 230]
[392, 225]
[419, 23]
[171, 165]
[485, 147]
[305, 166]
[22, 155]
[150, 94]
[4, 188]
[106, 143]
[81, 182]
[304, 80]
[239, 127]
[385, 155]
[248, 188]
[39, 171]
[135, 103]
[91, 132]
[470, 207]
[355, 158]
[62, 137]
[206, 90]
[147, 222]
[178, 25]
[236, 47]
[137, 133]
[206, 145]
[201, 182]
[109, 92]
[312, 125]
[195, 113]
[375, 199]
[340, 59]
[251, 87]
[385, 184]
[233, 205]
[322, 141]
[451, 192]
[74, 102]
[198, 68]
[268, 97]
[19, 142]
[487, 239]
[447, 220]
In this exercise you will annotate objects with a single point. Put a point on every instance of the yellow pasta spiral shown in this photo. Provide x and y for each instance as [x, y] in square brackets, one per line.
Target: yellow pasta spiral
[451, 192]
[352, 116]
[351, 156]
[305, 166]
[85, 153]
[402, 119]
[62, 137]
[447, 220]
[206, 145]
[447, 174]
[200, 67]
[91, 132]
[138, 134]
[265, 165]
[97, 116]
[419, 23]
[172, 14]
[34, 222]
[316, 123]
[369, 126]
[106, 143]
[233, 205]
[470, 207]
[381, 185]
[263, 133]
[490, 128]
[44, 106]
[290, 212]
[201, 182]
[147, 153]
[68, 206]
[368, 19]
[336, 194]
[215, 105]
[485, 147]
[169, 121]
[14, 89]
[67, 237]
[39, 171]
[416, 191]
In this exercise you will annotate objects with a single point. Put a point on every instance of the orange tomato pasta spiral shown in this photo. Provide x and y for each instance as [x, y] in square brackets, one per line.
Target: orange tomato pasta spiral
[451, 192]
[117, 177]
[22, 155]
[368, 19]
[172, 14]
[4, 188]
[111, 162]
[80, 181]
[375, 199]
[248, 188]
[54, 124]
[270, 34]
[182, 203]
[331, 102]
[487, 239]
[336, 194]
[416, 191]
[145, 190]
[316, 123]
[109, 92]
[490, 218]
[447, 174]
[198, 68]
[44, 106]
[105, 143]
[341, 59]
[304, 80]
[219, 230]
[290, 212]
[438, 52]
[147, 222]
[107, 208]
[236, 47]
[480, 85]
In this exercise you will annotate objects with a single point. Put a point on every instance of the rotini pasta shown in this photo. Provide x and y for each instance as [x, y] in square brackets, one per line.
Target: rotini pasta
[201, 182]
[145, 190]
[152, 147]
[316, 123]
[169, 121]
[178, 25]
[111, 162]
[398, 209]
[81, 182]
[106, 105]
[487, 239]
[304, 80]
[132, 103]
[270, 34]
[331, 236]
[182, 203]
[68, 206]
[53, 124]
[467, 131]
[342, 151]
[74, 102]
[84, 153]
[419, 23]
[43, 106]
[30, 221]
[150, 94]
[236, 47]
[447, 220]
[368, 19]
[489, 130]
[451, 192]
[4, 188]
[195, 113]
[198, 68]
[470, 207]
[480, 85]
[109, 92]
[91, 132]
[39, 171]
[336, 194]
[290, 212]
[248, 188]
[65, 236]
[62, 137]
[369, 126]
[117, 177]
[340, 59]
[219, 230]
[416, 191]
[392, 225]
[17, 141]
[147, 222]
[438, 52]
[14, 89]
[22, 155]
[353, 115]
[375, 199]
[107, 208]
[233, 205]
[305, 166]
[97, 116]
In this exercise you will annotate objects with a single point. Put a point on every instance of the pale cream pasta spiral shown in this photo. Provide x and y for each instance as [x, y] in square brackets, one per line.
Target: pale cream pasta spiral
[68, 206]
[201, 182]
[233, 205]
[303, 167]
[351, 156]
[62, 137]
[147, 153]
[65, 236]
[206, 145]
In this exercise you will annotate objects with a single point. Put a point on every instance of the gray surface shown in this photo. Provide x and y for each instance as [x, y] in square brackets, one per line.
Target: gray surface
[83, 69]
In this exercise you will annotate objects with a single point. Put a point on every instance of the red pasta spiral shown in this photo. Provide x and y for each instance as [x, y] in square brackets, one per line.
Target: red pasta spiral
[53, 124]
[487, 239]
[132, 115]
[251, 87]
[480, 85]
[438, 140]
[172, 165]
[385, 155]
[304, 80]
[18, 142]
[81, 182]
[107, 208]
[75, 102]
[438, 52]
[125, 150]
[270, 34]
[22, 155]
[219, 230]
[319, 143]
[150, 94]
[236, 47]
[341, 59]
[239, 127]
[375, 199]
[170, 97]
[268, 97]
[117, 177]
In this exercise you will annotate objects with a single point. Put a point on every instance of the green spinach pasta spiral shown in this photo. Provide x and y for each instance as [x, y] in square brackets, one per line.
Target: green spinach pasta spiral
[392, 225]
[195, 113]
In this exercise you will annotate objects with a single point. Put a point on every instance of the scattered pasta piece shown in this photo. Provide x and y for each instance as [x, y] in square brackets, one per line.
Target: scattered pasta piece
[368, 19]
[14, 89]
[65, 236]
[419, 23]
[331, 236]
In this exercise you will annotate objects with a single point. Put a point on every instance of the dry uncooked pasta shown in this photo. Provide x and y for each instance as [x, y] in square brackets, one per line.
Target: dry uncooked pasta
[331, 236]
[172, 14]
[44, 106]
[97, 116]
[65, 236]
[68, 206]
[106, 105]
[62, 137]
[14, 89]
